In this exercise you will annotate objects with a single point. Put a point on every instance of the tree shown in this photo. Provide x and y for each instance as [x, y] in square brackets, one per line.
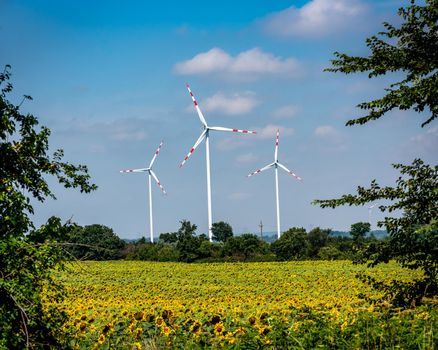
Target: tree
[168, 237]
[292, 244]
[244, 247]
[188, 243]
[95, 242]
[413, 237]
[28, 256]
[317, 239]
[221, 231]
[410, 49]
[330, 253]
[359, 230]
[343, 244]
[186, 230]
[208, 249]
[151, 251]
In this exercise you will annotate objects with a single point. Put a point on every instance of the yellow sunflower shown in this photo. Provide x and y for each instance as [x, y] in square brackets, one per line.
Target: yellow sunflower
[159, 321]
[219, 328]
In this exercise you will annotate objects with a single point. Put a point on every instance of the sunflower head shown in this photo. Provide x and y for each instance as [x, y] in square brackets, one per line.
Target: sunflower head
[215, 319]
[219, 328]
[166, 331]
[138, 315]
[138, 332]
[159, 321]
[263, 316]
[196, 327]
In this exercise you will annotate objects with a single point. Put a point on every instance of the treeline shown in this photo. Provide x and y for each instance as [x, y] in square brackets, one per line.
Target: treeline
[98, 242]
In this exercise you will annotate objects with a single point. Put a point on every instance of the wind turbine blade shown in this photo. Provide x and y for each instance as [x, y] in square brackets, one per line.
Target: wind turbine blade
[194, 147]
[158, 181]
[201, 116]
[155, 155]
[220, 128]
[134, 170]
[290, 172]
[262, 169]
[276, 145]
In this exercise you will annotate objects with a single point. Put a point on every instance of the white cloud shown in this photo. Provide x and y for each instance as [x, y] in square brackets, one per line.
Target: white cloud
[332, 138]
[246, 158]
[234, 105]
[286, 112]
[118, 130]
[270, 131]
[247, 65]
[428, 140]
[125, 134]
[205, 62]
[231, 143]
[317, 18]
[327, 132]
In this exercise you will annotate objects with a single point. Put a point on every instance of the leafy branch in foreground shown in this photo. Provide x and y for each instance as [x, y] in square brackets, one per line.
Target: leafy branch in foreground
[410, 49]
[413, 236]
[25, 163]
[29, 257]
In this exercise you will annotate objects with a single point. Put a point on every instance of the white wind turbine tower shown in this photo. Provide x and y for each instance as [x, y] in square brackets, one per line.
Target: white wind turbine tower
[370, 208]
[151, 175]
[206, 135]
[275, 165]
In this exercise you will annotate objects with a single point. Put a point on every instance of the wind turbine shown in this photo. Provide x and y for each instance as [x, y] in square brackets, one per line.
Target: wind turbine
[275, 165]
[151, 175]
[370, 208]
[206, 135]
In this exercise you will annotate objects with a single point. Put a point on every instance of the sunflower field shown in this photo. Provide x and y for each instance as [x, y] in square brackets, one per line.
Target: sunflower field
[277, 305]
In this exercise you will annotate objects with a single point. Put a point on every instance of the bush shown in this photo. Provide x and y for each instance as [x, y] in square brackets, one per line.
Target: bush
[292, 245]
[152, 252]
[330, 253]
[95, 242]
[245, 247]
[27, 261]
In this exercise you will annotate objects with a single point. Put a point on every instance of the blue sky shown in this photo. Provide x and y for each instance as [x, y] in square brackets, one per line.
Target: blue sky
[108, 78]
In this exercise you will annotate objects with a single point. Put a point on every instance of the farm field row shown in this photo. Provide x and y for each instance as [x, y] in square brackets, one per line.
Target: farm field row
[127, 304]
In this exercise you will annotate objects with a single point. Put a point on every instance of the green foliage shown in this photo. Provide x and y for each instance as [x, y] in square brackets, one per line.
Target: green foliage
[221, 231]
[245, 247]
[208, 249]
[359, 230]
[344, 245]
[317, 238]
[413, 237]
[330, 253]
[27, 271]
[292, 245]
[185, 245]
[95, 242]
[27, 263]
[410, 49]
[152, 252]
[168, 237]
[186, 230]
[188, 243]
[25, 164]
